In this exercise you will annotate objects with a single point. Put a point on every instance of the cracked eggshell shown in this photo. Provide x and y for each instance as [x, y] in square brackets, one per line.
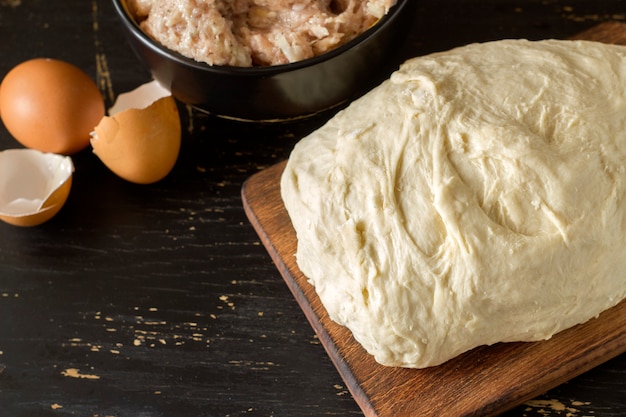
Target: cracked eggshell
[140, 139]
[34, 185]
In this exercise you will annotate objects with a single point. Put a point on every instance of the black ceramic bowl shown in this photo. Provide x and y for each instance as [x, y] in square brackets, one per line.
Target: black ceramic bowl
[281, 92]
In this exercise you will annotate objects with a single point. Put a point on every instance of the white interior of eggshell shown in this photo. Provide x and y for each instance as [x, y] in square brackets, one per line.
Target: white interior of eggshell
[139, 98]
[28, 177]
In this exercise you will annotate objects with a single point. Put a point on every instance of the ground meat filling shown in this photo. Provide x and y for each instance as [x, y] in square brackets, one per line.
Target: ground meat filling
[255, 32]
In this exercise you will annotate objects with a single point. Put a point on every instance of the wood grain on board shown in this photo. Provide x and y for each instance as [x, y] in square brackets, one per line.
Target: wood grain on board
[485, 381]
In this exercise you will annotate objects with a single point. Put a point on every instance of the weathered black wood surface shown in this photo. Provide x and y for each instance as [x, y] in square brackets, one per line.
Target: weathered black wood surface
[160, 300]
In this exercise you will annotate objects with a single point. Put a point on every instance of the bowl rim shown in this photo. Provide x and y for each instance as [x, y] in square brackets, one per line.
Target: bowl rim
[265, 70]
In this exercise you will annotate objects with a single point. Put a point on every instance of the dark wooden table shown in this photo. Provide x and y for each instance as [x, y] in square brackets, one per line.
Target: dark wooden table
[159, 300]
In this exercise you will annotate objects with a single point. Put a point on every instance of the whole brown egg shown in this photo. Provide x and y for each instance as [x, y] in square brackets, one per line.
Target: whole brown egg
[50, 105]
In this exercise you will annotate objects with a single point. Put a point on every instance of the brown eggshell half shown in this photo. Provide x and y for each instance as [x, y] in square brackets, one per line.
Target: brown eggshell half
[34, 185]
[140, 144]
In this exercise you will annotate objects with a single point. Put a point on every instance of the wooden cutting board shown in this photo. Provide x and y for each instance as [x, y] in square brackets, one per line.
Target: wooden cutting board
[485, 381]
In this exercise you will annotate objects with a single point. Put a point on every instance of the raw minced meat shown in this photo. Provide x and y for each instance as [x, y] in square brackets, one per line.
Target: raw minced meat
[255, 32]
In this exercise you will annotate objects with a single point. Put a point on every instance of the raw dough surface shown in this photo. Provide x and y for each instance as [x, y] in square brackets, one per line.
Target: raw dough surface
[477, 196]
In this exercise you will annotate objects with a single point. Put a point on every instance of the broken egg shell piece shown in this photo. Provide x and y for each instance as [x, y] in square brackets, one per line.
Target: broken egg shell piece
[34, 185]
[140, 139]
[139, 98]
